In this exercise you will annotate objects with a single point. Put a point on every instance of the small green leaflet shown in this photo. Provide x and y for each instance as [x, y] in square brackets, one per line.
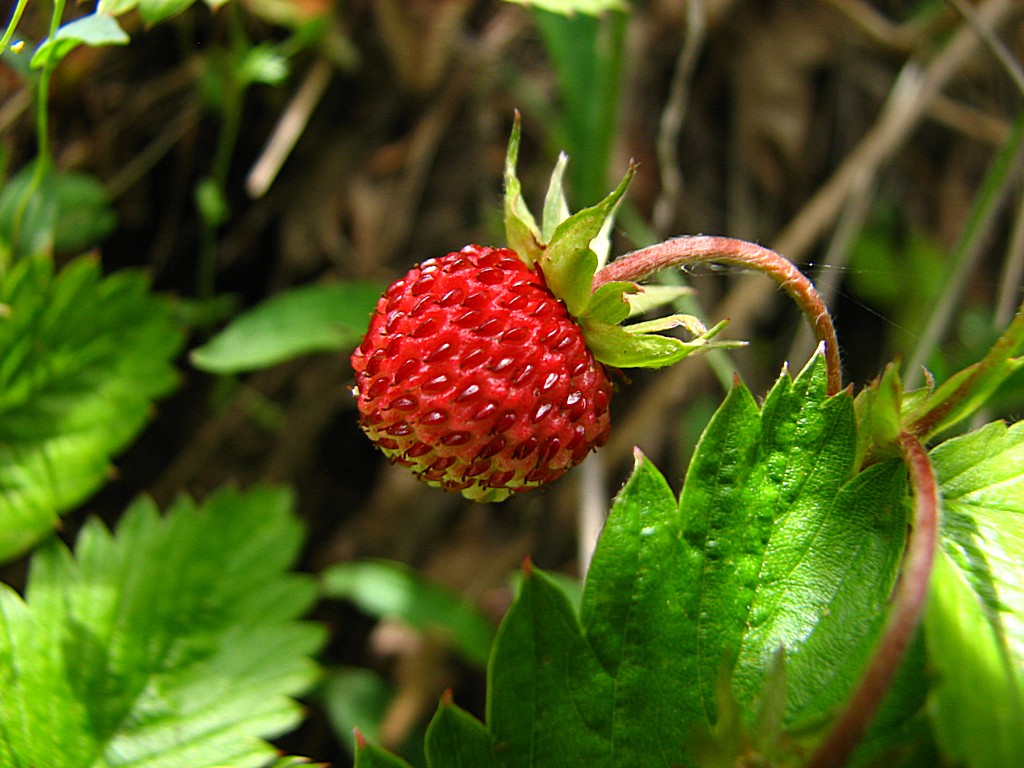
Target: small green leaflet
[175, 641]
[315, 318]
[974, 625]
[63, 211]
[82, 358]
[774, 542]
[354, 697]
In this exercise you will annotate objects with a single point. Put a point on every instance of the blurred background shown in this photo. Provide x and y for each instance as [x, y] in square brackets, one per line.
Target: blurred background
[248, 149]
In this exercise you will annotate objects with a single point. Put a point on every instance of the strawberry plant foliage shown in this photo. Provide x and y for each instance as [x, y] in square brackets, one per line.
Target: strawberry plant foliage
[173, 641]
[82, 357]
[775, 542]
[975, 621]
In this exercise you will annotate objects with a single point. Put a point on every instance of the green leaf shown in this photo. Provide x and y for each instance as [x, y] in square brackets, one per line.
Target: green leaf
[389, 589]
[68, 212]
[263, 63]
[456, 738]
[82, 358]
[776, 549]
[155, 11]
[569, 263]
[211, 202]
[95, 30]
[638, 613]
[372, 756]
[355, 697]
[116, 7]
[173, 641]
[974, 623]
[316, 318]
[570, 7]
[84, 214]
[28, 214]
[825, 581]
[548, 700]
[793, 546]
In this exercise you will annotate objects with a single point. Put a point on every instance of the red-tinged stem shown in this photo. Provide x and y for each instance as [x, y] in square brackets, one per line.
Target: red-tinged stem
[698, 249]
[907, 606]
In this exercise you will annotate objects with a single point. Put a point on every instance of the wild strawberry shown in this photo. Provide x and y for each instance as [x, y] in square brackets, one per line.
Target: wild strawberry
[476, 377]
[483, 371]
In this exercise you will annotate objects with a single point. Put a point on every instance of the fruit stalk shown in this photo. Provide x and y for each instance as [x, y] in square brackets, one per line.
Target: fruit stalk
[907, 607]
[698, 249]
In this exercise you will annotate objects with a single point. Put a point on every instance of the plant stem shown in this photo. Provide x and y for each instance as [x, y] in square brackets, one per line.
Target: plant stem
[907, 606]
[12, 25]
[698, 249]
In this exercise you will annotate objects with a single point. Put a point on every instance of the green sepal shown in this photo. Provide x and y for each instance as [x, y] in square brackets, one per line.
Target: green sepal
[878, 416]
[611, 302]
[616, 346]
[653, 296]
[556, 207]
[569, 263]
[521, 232]
[668, 323]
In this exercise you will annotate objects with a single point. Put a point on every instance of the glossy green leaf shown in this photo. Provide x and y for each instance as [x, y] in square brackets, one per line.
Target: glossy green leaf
[95, 30]
[975, 618]
[372, 756]
[174, 641]
[638, 612]
[389, 589]
[548, 699]
[794, 545]
[316, 318]
[82, 357]
[457, 739]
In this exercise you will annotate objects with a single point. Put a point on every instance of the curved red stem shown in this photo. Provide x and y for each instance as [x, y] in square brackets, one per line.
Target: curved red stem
[697, 249]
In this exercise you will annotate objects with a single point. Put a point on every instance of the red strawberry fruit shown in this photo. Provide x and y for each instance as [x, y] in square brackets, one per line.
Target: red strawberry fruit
[483, 371]
[475, 376]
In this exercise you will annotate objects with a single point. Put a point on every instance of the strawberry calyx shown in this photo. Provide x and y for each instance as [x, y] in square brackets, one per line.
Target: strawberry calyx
[568, 249]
